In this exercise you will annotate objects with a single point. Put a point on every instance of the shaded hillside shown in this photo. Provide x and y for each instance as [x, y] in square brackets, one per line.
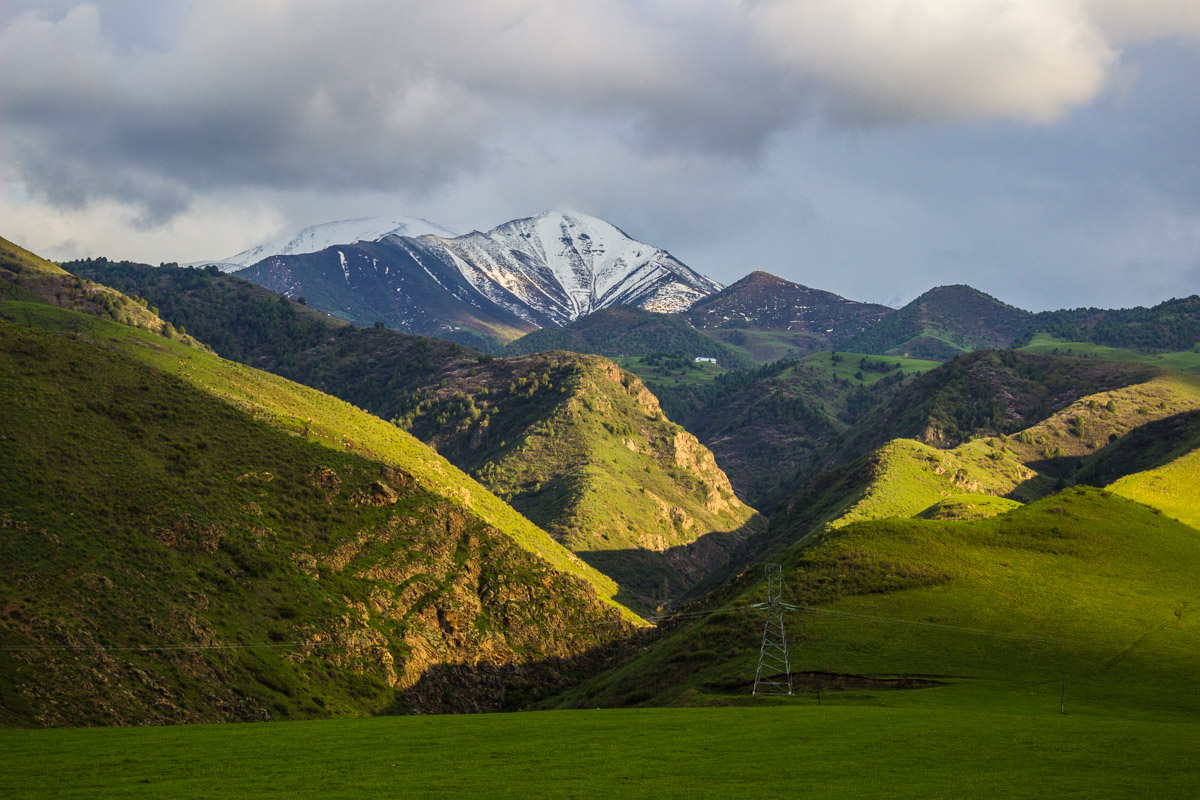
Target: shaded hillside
[811, 319]
[1168, 326]
[374, 368]
[187, 557]
[986, 393]
[772, 427]
[627, 331]
[942, 323]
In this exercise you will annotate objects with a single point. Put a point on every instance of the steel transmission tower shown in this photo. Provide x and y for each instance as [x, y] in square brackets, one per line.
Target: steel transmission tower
[774, 675]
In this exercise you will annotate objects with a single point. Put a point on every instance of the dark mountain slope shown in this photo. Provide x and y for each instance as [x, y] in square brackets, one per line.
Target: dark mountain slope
[986, 393]
[774, 426]
[395, 282]
[942, 323]
[763, 302]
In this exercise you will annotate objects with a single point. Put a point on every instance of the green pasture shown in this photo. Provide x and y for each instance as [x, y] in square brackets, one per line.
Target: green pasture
[1046, 344]
[849, 366]
[784, 750]
[693, 374]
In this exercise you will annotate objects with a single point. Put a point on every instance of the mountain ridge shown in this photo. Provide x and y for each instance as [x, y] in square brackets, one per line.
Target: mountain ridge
[536, 272]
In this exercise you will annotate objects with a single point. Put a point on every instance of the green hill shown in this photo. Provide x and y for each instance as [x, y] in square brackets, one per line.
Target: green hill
[373, 368]
[1084, 588]
[628, 331]
[987, 393]
[942, 323]
[1047, 344]
[772, 427]
[198, 541]
[28, 277]
[1085, 441]
[1173, 325]
[582, 448]
[491, 417]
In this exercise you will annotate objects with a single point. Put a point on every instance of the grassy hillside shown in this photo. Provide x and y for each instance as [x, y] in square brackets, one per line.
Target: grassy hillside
[771, 427]
[765, 347]
[1047, 344]
[987, 393]
[1084, 584]
[627, 331]
[180, 555]
[942, 323]
[1094, 440]
[1173, 325]
[27, 277]
[489, 416]
[18, 260]
[671, 370]
[583, 449]
[308, 413]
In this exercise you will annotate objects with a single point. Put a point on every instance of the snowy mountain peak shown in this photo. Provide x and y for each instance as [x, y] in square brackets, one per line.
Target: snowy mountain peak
[315, 238]
[565, 264]
[546, 270]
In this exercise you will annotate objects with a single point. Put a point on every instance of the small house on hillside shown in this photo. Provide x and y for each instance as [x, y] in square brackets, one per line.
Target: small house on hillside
[705, 359]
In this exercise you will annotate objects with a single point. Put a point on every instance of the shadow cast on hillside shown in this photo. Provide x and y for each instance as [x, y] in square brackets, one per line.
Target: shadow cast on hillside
[649, 579]
[465, 688]
[1146, 447]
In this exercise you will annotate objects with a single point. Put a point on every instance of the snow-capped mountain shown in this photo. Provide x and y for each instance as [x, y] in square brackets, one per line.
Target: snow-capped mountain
[565, 265]
[544, 271]
[316, 238]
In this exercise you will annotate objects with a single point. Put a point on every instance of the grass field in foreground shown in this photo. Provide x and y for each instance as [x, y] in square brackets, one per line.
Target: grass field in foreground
[788, 751]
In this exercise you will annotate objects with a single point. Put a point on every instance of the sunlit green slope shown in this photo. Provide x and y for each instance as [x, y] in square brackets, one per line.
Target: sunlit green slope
[170, 558]
[308, 413]
[1083, 584]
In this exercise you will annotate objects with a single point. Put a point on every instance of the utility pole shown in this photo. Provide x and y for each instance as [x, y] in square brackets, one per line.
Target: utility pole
[773, 657]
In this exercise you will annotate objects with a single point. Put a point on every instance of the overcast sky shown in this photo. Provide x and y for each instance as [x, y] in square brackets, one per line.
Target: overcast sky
[1045, 151]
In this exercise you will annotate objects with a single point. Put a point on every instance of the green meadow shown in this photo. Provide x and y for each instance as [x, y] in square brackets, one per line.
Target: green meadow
[839, 749]
[1046, 344]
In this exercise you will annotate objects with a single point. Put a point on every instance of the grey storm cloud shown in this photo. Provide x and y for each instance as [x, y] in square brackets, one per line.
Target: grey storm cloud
[358, 96]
